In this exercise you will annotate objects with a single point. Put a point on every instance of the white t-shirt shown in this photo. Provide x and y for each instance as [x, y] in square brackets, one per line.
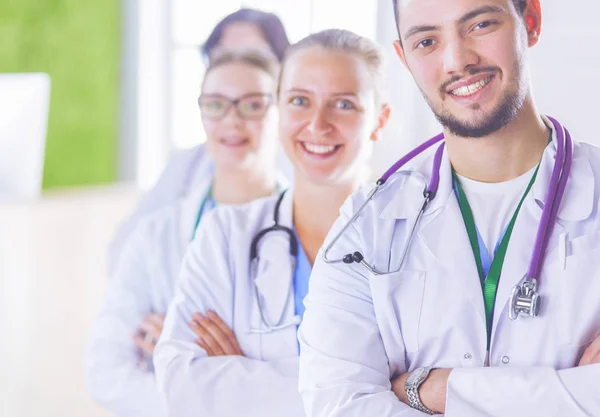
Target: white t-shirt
[493, 205]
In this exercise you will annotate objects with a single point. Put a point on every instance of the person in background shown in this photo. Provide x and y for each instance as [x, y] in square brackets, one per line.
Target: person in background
[240, 118]
[243, 29]
[247, 28]
[229, 345]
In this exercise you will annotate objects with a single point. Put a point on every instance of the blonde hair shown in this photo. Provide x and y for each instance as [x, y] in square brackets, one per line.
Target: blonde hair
[252, 57]
[345, 41]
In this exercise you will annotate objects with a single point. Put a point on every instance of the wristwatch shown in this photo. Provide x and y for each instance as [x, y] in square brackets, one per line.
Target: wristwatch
[411, 386]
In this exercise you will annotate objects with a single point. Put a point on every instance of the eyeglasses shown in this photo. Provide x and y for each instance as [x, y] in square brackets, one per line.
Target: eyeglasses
[249, 107]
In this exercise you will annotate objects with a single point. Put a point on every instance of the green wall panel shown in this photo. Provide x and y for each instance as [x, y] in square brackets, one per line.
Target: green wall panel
[78, 44]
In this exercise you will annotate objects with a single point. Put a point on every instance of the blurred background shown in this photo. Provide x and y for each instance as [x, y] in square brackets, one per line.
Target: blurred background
[95, 97]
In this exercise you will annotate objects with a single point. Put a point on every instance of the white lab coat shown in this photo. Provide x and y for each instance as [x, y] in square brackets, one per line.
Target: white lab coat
[186, 172]
[215, 275]
[143, 283]
[360, 331]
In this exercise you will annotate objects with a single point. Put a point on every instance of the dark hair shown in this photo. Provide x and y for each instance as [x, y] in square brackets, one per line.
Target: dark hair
[268, 23]
[253, 58]
[340, 40]
[519, 5]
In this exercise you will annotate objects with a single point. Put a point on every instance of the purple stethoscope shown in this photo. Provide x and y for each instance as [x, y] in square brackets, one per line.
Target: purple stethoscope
[524, 298]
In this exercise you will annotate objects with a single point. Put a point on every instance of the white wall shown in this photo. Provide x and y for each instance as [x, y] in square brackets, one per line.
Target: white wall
[566, 66]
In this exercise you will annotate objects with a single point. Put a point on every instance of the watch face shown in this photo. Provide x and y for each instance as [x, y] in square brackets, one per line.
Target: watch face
[415, 376]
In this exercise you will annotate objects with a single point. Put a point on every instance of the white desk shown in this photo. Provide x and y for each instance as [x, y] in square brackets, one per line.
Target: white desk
[52, 280]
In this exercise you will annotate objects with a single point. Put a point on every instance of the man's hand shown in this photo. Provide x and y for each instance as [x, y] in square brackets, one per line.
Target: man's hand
[432, 392]
[214, 336]
[591, 354]
[148, 333]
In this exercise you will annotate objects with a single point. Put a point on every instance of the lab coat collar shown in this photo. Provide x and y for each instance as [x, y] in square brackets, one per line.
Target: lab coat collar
[406, 201]
[578, 201]
[192, 202]
[286, 209]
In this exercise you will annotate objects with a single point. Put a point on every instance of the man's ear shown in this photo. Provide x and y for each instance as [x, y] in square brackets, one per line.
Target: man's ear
[533, 21]
[400, 52]
[384, 116]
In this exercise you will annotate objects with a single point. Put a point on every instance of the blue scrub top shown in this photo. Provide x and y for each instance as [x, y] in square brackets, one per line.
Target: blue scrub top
[301, 276]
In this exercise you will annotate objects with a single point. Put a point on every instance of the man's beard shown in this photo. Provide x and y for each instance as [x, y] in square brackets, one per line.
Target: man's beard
[504, 113]
[486, 124]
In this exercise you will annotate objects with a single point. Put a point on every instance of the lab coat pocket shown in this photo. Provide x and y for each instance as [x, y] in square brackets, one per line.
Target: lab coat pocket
[397, 300]
[576, 293]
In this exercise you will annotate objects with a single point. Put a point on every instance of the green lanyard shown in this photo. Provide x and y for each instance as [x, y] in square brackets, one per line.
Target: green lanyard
[208, 199]
[489, 284]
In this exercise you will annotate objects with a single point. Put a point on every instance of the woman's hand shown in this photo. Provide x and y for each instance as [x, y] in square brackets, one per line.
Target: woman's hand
[214, 336]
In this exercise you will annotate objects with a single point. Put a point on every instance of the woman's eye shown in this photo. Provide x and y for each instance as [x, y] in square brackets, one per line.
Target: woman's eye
[255, 105]
[344, 105]
[299, 101]
[215, 105]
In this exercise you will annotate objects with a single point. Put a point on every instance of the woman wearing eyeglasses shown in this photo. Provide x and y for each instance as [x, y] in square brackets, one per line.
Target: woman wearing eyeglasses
[243, 29]
[240, 121]
[229, 347]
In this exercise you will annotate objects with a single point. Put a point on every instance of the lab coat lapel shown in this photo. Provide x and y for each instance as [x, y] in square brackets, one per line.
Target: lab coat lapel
[445, 235]
[274, 269]
[578, 201]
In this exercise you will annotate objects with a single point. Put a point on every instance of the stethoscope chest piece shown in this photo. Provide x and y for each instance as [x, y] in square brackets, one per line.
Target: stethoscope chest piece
[524, 300]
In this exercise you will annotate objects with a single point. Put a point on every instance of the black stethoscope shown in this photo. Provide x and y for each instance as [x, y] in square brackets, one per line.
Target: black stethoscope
[254, 260]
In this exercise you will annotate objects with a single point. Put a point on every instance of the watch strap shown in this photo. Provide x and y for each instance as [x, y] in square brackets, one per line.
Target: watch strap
[412, 394]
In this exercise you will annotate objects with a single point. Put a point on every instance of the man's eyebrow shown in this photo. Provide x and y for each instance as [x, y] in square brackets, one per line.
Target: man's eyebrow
[466, 17]
[419, 29]
[482, 10]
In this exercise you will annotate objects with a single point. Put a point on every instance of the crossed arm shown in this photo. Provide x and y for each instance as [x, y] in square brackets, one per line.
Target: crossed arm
[345, 375]
[199, 366]
[433, 392]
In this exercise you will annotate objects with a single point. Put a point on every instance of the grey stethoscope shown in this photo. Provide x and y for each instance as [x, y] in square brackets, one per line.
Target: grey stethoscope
[524, 298]
[254, 259]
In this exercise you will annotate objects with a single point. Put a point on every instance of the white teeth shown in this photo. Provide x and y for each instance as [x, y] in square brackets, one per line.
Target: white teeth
[318, 149]
[467, 90]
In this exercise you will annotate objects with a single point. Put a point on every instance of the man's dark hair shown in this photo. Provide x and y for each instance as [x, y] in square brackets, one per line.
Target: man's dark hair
[269, 24]
[519, 5]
